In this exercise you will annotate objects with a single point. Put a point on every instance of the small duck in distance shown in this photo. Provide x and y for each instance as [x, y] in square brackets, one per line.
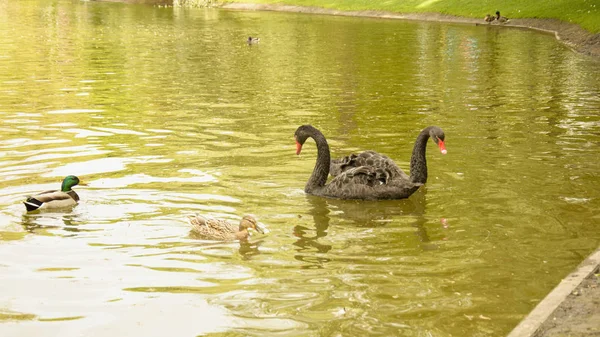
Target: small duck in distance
[489, 19]
[66, 197]
[222, 230]
[253, 40]
[501, 19]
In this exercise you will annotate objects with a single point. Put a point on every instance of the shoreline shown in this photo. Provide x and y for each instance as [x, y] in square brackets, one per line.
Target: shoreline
[570, 309]
[572, 35]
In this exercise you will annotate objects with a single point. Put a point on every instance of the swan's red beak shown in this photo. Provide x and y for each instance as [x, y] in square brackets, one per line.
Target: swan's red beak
[298, 147]
[442, 146]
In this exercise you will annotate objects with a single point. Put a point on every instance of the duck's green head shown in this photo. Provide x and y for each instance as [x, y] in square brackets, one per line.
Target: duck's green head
[68, 183]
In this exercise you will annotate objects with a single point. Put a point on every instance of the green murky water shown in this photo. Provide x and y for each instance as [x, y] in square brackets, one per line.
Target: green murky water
[168, 112]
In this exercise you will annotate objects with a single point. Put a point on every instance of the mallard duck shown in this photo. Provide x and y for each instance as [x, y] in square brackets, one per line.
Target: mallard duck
[66, 197]
[253, 40]
[488, 18]
[217, 229]
[501, 19]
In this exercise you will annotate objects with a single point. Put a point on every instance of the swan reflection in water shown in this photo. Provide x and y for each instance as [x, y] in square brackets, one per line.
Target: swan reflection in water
[366, 214]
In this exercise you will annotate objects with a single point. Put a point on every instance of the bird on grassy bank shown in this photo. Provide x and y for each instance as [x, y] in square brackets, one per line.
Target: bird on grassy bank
[66, 197]
[217, 229]
[501, 19]
[369, 175]
[253, 40]
[489, 18]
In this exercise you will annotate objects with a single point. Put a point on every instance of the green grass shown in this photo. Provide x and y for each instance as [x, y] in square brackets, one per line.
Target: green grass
[585, 13]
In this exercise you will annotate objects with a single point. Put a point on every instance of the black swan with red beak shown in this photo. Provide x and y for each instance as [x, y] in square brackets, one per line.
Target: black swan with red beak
[368, 175]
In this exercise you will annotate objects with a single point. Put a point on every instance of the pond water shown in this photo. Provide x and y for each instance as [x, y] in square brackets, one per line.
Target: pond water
[168, 112]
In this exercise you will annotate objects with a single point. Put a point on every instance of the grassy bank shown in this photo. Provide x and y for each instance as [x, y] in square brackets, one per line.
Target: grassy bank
[585, 13]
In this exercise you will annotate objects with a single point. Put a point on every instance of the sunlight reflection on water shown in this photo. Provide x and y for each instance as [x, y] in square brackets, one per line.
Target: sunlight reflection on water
[167, 113]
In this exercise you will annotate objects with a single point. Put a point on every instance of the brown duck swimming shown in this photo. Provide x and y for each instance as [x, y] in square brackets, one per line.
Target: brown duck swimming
[368, 175]
[66, 197]
[218, 229]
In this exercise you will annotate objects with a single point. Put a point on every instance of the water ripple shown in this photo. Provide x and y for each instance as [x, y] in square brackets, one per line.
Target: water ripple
[209, 129]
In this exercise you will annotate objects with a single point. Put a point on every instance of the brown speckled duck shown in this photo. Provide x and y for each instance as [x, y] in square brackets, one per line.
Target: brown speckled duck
[66, 197]
[218, 229]
[489, 18]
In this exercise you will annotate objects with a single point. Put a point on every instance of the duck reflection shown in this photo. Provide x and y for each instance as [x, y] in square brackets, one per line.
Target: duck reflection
[39, 223]
[249, 249]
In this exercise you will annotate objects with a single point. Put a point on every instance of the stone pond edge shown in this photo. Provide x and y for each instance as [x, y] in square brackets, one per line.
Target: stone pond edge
[532, 322]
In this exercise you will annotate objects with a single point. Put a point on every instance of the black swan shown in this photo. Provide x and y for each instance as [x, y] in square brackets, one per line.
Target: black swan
[366, 181]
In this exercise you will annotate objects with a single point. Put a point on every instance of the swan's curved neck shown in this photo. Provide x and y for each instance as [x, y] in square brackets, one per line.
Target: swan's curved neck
[418, 162]
[318, 178]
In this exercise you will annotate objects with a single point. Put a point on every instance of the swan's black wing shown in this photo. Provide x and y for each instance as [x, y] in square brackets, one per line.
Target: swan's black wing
[367, 158]
[338, 166]
[368, 175]
[362, 175]
[367, 182]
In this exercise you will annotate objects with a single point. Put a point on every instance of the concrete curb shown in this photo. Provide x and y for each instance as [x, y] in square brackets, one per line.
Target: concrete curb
[530, 324]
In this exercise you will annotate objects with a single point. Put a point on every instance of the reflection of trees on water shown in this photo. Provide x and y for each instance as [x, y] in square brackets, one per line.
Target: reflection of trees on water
[360, 214]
